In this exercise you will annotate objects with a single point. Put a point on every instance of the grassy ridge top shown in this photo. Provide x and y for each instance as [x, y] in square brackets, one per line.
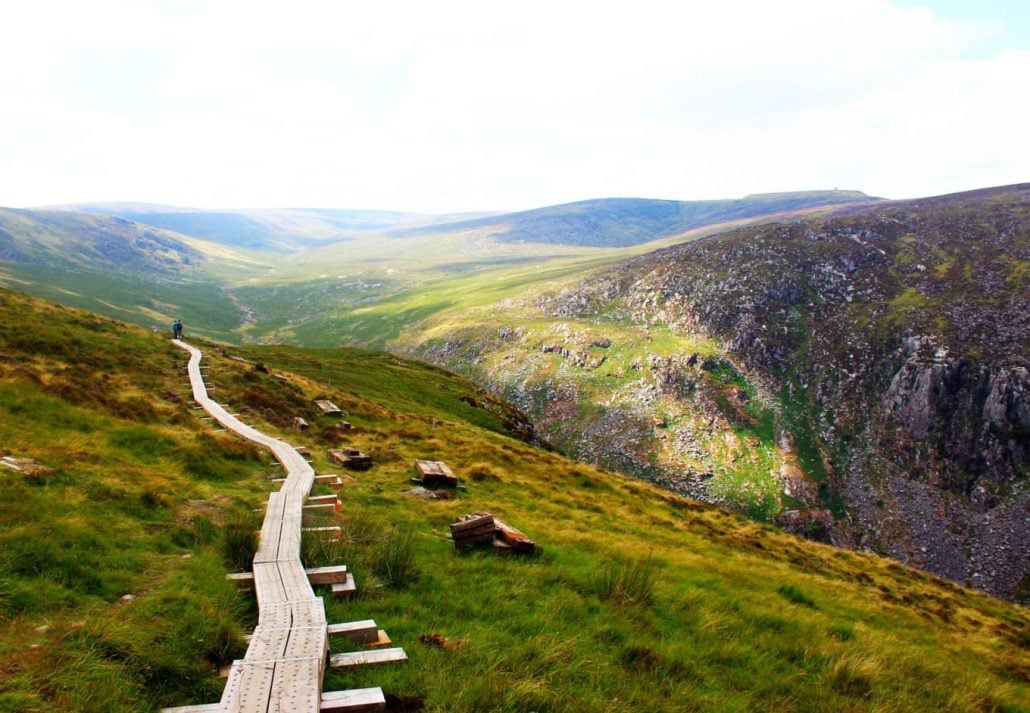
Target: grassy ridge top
[622, 222]
[640, 600]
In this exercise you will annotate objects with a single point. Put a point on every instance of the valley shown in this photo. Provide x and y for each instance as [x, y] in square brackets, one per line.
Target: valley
[780, 364]
[117, 541]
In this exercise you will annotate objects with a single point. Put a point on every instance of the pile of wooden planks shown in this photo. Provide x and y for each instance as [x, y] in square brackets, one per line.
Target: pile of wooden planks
[434, 473]
[350, 458]
[481, 529]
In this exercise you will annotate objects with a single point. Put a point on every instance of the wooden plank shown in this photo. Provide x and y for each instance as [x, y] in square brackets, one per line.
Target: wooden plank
[328, 407]
[333, 500]
[360, 632]
[202, 708]
[435, 473]
[476, 541]
[344, 589]
[297, 686]
[327, 575]
[367, 658]
[355, 700]
[488, 528]
[382, 641]
[469, 522]
[514, 538]
[324, 528]
[326, 507]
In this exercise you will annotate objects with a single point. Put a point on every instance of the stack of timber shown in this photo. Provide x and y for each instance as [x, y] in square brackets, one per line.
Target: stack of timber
[481, 529]
[434, 473]
[328, 407]
[350, 458]
[340, 428]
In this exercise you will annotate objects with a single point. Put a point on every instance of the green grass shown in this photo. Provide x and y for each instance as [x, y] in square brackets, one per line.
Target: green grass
[639, 599]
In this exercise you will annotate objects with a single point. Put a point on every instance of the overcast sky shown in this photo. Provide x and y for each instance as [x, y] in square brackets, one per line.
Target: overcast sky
[449, 106]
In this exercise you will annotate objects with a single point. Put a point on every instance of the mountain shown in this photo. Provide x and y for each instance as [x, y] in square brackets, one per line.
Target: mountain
[610, 222]
[120, 528]
[860, 376]
[294, 274]
[69, 239]
[126, 269]
[283, 230]
[621, 222]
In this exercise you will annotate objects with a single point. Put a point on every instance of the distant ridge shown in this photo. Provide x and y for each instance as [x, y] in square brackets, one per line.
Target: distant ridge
[622, 222]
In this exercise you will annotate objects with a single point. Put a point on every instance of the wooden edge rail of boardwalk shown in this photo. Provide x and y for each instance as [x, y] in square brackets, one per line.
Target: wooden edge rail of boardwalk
[286, 658]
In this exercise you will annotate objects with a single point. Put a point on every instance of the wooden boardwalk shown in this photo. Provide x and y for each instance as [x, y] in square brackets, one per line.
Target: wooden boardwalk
[283, 667]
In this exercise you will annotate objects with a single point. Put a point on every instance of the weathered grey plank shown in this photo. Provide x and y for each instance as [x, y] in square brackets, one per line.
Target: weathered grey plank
[368, 658]
[356, 700]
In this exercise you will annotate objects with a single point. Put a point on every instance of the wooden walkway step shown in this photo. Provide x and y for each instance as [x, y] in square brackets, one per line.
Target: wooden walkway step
[333, 481]
[336, 574]
[344, 589]
[360, 632]
[368, 658]
[356, 700]
[333, 500]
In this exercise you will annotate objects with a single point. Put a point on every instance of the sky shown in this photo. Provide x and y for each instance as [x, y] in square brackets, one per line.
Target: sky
[447, 106]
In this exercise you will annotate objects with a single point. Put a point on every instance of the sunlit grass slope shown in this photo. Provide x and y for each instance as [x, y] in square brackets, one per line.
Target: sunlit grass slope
[134, 505]
[639, 601]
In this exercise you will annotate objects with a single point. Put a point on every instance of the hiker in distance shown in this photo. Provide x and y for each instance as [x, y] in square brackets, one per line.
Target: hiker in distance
[177, 329]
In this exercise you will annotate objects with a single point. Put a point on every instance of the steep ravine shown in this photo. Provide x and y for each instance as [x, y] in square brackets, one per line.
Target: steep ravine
[861, 378]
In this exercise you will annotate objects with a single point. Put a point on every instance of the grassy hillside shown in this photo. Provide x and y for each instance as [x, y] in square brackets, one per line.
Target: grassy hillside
[640, 600]
[304, 274]
[124, 269]
[278, 230]
[752, 368]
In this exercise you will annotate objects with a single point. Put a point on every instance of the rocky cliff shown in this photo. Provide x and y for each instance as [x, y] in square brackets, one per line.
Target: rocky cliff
[870, 366]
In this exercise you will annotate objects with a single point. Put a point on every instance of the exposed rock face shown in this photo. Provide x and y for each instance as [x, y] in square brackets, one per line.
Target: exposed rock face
[904, 332]
[891, 343]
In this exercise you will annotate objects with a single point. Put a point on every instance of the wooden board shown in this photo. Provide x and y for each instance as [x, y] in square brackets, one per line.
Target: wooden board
[469, 522]
[435, 473]
[344, 589]
[327, 575]
[356, 700]
[367, 658]
[360, 632]
[514, 538]
[328, 407]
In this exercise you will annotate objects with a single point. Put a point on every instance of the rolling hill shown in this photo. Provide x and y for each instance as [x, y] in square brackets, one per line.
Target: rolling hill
[635, 360]
[282, 231]
[640, 599]
[859, 377]
[622, 222]
[126, 269]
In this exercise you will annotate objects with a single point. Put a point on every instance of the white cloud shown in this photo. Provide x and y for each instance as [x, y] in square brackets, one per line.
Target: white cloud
[460, 105]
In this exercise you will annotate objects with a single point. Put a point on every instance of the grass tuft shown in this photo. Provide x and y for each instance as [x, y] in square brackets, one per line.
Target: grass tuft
[627, 583]
[793, 593]
[240, 541]
[392, 559]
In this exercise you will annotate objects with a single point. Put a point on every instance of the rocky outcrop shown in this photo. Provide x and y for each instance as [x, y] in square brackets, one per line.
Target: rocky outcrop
[866, 370]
